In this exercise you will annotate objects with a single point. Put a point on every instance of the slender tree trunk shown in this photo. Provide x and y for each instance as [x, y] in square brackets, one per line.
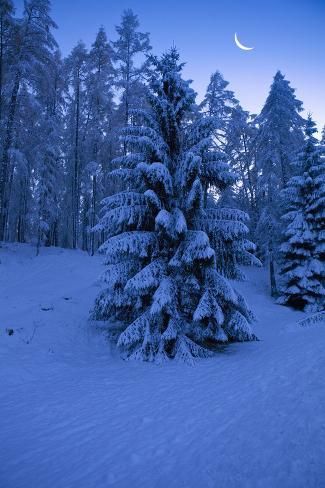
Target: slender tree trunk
[1, 66]
[93, 214]
[39, 230]
[127, 94]
[38, 245]
[249, 175]
[55, 231]
[7, 215]
[4, 200]
[21, 231]
[243, 177]
[127, 88]
[76, 169]
[272, 272]
[84, 213]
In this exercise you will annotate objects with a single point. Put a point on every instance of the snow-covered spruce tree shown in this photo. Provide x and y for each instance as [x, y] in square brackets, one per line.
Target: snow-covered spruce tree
[219, 102]
[280, 135]
[279, 140]
[303, 249]
[162, 286]
[228, 121]
[227, 229]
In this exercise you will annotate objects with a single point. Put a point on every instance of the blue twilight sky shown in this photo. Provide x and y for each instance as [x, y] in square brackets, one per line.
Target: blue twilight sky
[287, 35]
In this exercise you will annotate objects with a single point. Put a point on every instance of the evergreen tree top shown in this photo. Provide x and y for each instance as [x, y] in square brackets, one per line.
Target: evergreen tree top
[282, 100]
[169, 84]
[219, 100]
[130, 41]
[310, 127]
[310, 157]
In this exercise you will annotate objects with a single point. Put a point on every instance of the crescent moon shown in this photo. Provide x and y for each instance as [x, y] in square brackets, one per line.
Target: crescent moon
[240, 45]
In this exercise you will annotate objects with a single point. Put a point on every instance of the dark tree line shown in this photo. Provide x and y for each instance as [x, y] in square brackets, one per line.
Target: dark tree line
[60, 125]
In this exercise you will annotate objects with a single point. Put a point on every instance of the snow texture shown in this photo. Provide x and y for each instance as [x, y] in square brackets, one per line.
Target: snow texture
[74, 415]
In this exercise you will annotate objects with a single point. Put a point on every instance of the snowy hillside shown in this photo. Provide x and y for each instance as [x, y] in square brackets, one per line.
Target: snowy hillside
[74, 415]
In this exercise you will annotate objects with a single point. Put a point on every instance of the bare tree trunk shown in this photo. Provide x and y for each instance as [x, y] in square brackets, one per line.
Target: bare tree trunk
[1, 65]
[85, 217]
[38, 245]
[39, 230]
[127, 88]
[21, 230]
[246, 190]
[126, 95]
[93, 214]
[76, 169]
[272, 272]
[55, 231]
[4, 198]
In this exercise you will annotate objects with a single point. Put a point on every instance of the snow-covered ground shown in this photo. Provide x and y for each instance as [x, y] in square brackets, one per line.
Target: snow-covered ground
[73, 415]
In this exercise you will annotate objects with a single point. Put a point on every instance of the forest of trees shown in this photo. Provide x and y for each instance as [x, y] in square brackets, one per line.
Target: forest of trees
[61, 150]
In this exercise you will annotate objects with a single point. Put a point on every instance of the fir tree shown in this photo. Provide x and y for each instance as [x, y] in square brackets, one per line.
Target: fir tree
[32, 47]
[49, 167]
[98, 131]
[219, 102]
[232, 137]
[280, 131]
[241, 149]
[6, 31]
[279, 139]
[303, 249]
[130, 45]
[48, 174]
[162, 286]
[76, 73]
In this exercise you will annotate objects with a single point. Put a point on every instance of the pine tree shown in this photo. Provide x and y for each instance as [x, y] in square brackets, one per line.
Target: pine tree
[280, 135]
[279, 139]
[303, 249]
[33, 45]
[241, 150]
[76, 73]
[98, 132]
[49, 168]
[219, 102]
[6, 33]
[162, 287]
[130, 45]
[47, 191]
[232, 137]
